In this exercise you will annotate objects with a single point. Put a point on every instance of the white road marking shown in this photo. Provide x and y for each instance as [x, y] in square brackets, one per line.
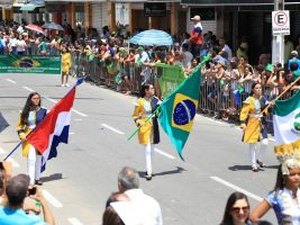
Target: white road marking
[55, 101]
[28, 89]
[112, 129]
[79, 113]
[234, 187]
[217, 121]
[50, 99]
[51, 199]
[11, 81]
[164, 153]
[71, 133]
[73, 110]
[74, 221]
[272, 139]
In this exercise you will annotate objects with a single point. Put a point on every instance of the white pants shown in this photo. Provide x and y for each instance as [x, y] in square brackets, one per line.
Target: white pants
[257, 154]
[149, 149]
[33, 165]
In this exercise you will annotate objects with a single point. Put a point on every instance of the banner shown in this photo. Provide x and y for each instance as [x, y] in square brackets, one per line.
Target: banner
[169, 77]
[30, 64]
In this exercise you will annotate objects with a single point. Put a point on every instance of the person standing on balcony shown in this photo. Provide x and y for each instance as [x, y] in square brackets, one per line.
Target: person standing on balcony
[196, 38]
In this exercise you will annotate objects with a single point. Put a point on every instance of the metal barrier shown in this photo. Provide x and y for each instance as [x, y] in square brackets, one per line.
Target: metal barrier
[219, 99]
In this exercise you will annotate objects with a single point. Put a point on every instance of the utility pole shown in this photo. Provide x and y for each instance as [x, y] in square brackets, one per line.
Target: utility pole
[278, 40]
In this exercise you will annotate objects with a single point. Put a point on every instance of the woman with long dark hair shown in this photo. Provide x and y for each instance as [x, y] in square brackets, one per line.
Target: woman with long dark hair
[285, 197]
[253, 127]
[66, 62]
[149, 133]
[31, 115]
[237, 210]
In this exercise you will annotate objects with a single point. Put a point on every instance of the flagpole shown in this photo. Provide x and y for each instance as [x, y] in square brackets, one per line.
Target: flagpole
[206, 58]
[11, 152]
[281, 94]
[277, 98]
[140, 126]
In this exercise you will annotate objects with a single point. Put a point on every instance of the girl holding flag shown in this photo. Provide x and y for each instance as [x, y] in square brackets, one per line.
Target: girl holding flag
[148, 134]
[252, 125]
[31, 115]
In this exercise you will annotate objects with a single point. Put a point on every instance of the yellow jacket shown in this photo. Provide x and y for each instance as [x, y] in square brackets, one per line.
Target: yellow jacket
[250, 115]
[24, 130]
[66, 62]
[149, 131]
[140, 116]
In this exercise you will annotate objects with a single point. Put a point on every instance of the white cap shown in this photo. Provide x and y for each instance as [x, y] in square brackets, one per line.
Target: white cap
[196, 17]
[294, 52]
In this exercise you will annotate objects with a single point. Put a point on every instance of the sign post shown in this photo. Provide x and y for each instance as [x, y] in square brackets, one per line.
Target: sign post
[280, 27]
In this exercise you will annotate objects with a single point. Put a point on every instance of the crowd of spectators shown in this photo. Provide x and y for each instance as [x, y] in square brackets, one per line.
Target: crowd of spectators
[107, 57]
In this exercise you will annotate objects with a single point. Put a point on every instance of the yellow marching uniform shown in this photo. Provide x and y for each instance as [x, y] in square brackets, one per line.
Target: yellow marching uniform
[251, 116]
[24, 130]
[149, 130]
[66, 62]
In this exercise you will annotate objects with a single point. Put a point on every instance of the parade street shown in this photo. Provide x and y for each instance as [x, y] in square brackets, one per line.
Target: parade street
[78, 182]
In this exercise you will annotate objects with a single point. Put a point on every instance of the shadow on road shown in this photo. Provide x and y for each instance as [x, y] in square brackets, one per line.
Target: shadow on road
[178, 169]
[248, 167]
[52, 177]
[240, 167]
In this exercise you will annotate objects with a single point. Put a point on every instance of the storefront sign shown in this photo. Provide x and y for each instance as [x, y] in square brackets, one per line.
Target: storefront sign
[155, 9]
[30, 64]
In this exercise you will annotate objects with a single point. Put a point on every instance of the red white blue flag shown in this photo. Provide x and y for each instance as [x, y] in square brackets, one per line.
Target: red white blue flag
[54, 128]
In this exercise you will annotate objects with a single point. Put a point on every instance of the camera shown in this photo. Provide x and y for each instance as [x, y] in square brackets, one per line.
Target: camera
[32, 191]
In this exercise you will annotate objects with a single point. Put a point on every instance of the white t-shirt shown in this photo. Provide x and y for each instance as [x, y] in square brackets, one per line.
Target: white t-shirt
[149, 209]
[21, 46]
[228, 51]
[186, 62]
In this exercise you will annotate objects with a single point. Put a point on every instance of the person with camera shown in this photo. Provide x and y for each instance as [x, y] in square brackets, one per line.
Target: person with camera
[13, 213]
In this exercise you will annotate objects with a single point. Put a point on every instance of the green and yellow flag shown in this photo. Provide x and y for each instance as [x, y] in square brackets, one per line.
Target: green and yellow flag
[178, 110]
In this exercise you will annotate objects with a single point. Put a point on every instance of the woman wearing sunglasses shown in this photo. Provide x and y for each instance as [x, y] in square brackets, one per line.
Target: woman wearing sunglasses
[285, 198]
[237, 210]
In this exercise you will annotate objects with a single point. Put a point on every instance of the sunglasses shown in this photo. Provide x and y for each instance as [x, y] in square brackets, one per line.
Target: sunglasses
[238, 209]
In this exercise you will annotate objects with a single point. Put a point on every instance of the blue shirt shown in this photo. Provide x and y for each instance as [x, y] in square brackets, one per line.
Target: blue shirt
[18, 217]
[294, 59]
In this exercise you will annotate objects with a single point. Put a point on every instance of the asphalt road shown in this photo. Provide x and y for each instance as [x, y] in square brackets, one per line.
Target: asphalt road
[78, 182]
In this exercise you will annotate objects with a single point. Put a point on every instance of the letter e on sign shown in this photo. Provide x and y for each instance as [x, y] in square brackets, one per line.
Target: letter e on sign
[281, 22]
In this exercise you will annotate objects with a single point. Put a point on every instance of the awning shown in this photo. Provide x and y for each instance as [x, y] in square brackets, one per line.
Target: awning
[30, 7]
[79, 1]
[144, 1]
[234, 2]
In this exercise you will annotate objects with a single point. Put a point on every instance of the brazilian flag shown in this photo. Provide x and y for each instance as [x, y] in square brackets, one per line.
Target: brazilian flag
[178, 110]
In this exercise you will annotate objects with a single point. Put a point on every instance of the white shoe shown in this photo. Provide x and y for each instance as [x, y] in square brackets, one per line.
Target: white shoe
[62, 85]
[67, 85]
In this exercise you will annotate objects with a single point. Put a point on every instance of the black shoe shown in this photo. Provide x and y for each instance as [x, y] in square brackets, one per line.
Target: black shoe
[148, 176]
[254, 168]
[38, 182]
[261, 164]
